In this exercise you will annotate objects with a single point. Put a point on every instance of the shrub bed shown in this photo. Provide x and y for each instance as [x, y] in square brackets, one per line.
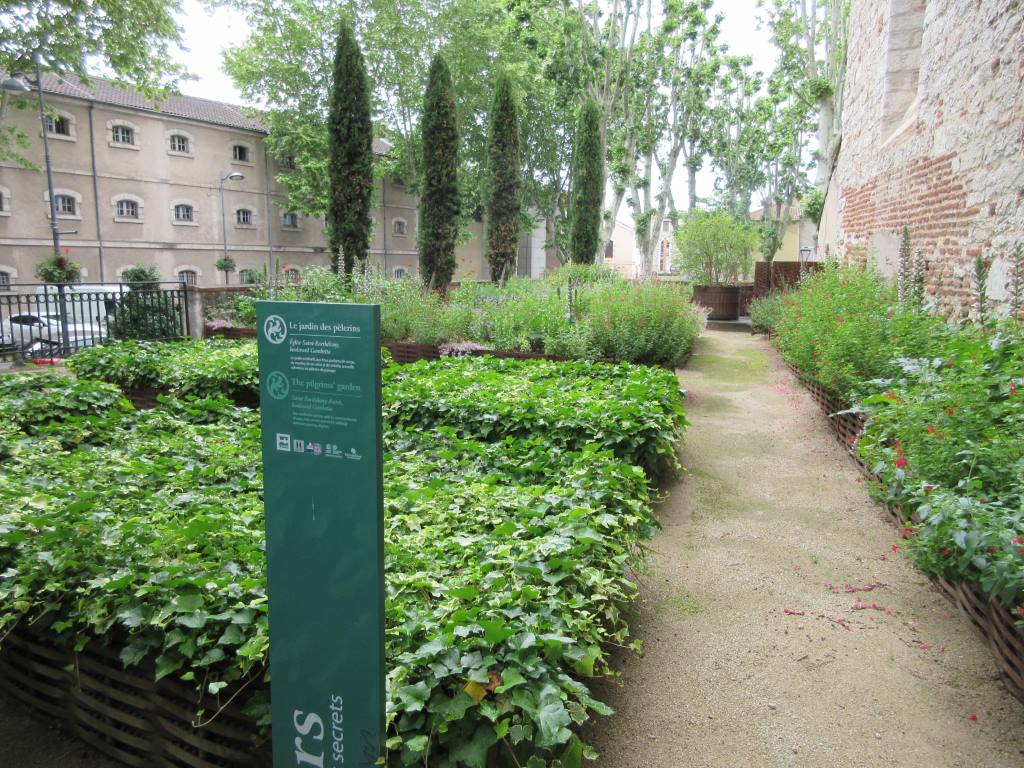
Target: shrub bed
[945, 411]
[579, 312]
[512, 530]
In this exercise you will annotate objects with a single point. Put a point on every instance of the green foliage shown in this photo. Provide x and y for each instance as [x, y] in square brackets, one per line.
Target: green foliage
[770, 233]
[713, 247]
[144, 273]
[945, 413]
[350, 163]
[583, 311]
[439, 204]
[146, 312]
[588, 179]
[843, 330]
[766, 312]
[503, 209]
[131, 42]
[59, 269]
[813, 205]
[945, 439]
[510, 543]
[225, 264]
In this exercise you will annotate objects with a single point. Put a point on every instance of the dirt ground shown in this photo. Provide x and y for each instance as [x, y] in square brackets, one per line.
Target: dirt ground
[772, 516]
[27, 741]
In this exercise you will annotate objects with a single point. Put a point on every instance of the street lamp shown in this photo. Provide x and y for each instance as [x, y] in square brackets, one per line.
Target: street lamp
[805, 256]
[233, 176]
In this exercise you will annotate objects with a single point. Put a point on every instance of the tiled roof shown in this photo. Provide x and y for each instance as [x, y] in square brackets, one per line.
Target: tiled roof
[102, 91]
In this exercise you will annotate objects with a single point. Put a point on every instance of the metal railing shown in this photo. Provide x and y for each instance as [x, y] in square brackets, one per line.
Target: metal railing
[51, 322]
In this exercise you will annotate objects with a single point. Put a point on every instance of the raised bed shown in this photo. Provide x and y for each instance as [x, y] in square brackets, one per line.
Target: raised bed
[124, 713]
[993, 621]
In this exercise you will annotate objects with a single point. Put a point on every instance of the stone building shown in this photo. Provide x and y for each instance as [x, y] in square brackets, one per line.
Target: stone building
[933, 139]
[139, 183]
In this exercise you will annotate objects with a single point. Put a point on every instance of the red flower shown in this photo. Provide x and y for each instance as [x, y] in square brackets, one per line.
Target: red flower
[901, 462]
[1017, 541]
[931, 429]
[1020, 610]
[905, 533]
[896, 444]
[1013, 389]
[895, 547]
[950, 411]
[947, 552]
[949, 363]
[973, 718]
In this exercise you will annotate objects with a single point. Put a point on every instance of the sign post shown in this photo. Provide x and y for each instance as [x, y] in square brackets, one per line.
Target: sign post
[320, 401]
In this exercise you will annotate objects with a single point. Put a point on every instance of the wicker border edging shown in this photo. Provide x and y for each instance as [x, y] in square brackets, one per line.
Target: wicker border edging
[991, 620]
[124, 713]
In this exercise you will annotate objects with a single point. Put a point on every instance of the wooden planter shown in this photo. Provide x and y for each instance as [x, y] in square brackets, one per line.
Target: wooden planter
[721, 301]
[124, 713]
[993, 621]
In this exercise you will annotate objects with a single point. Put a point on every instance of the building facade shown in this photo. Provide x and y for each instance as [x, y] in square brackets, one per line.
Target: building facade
[138, 183]
[933, 139]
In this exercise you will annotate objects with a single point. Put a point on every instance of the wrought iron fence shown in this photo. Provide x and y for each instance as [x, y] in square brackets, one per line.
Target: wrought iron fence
[53, 321]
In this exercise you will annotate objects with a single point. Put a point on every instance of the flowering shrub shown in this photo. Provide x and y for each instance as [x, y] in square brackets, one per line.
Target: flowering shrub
[945, 417]
[845, 330]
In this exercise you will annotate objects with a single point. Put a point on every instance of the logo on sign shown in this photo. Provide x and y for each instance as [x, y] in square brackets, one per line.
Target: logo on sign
[277, 385]
[284, 441]
[275, 329]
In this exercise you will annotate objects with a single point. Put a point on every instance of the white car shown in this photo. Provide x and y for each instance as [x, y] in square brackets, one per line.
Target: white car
[24, 329]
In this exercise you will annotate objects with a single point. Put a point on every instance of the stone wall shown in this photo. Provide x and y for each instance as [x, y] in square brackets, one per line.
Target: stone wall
[933, 139]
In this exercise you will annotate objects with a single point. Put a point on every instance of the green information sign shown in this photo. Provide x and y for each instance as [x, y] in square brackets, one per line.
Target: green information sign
[320, 399]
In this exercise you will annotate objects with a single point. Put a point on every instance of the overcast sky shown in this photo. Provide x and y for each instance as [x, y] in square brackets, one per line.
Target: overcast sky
[207, 34]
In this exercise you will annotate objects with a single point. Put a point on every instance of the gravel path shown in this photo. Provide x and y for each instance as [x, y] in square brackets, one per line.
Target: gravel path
[770, 514]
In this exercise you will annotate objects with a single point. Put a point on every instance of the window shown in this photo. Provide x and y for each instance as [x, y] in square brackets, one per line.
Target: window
[58, 126]
[291, 275]
[247, 276]
[184, 212]
[5, 281]
[609, 250]
[243, 216]
[65, 204]
[399, 273]
[127, 209]
[122, 134]
[240, 153]
[179, 143]
[398, 227]
[188, 276]
[290, 220]
[287, 163]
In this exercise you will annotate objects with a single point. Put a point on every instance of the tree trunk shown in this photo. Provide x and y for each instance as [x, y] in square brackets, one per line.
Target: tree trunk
[691, 181]
[826, 143]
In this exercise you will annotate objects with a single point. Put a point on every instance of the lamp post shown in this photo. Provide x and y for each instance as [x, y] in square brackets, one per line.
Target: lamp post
[805, 256]
[233, 176]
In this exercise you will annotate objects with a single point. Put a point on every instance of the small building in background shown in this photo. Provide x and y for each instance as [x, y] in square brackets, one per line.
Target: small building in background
[799, 233]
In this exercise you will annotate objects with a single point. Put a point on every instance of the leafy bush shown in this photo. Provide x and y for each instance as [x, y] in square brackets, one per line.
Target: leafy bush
[844, 329]
[714, 248]
[644, 323]
[512, 528]
[583, 311]
[766, 312]
[945, 415]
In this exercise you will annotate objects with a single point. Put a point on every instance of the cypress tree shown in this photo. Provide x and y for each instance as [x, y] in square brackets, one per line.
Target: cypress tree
[350, 160]
[439, 204]
[587, 186]
[504, 202]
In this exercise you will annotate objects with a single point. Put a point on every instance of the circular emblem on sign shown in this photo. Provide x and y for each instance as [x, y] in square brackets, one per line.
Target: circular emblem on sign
[277, 385]
[274, 329]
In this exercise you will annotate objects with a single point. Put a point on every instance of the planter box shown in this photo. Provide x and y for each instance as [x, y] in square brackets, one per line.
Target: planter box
[721, 301]
[993, 621]
[124, 713]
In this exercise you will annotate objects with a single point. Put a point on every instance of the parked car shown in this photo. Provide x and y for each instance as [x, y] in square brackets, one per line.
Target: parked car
[26, 328]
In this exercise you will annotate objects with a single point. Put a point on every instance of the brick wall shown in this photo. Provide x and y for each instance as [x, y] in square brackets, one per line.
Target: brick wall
[950, 164]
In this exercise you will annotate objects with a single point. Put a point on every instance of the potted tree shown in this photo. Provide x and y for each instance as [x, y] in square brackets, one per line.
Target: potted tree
[713, 251]
[227, 266]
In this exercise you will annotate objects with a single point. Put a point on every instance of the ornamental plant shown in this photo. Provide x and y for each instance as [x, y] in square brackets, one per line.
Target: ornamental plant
[505, 182]
[439, 203]
[713, 248]
[588, 179]
[515, 515]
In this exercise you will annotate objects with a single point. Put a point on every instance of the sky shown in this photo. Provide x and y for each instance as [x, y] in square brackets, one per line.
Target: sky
[207, 34]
